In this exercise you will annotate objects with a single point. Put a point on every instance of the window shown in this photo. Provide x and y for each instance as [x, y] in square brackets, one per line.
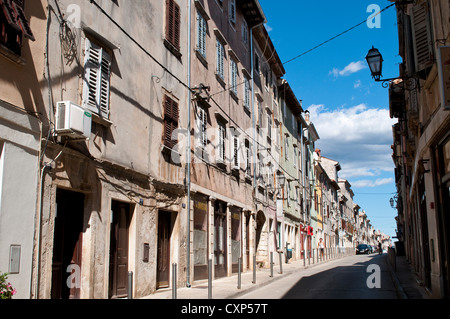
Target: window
[202, 127]
[244, 32]
[256, 63]
[295, 156]
[269, 127]
[201, 34]
[286, 148]
[247, 93]
[220, 150]
[260, 113]
[173, 23]
[422, 36]
[97, 68]
[236, 152]
[13, 25]
[288, 193]
[233, 77]
[170, 121]
[232, 12]
[247, 158]
[220, 55]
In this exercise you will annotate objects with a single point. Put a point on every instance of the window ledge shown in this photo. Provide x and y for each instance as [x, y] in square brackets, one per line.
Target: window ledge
[201, 58]
[169, 46]
[10, 55]
[101, 120]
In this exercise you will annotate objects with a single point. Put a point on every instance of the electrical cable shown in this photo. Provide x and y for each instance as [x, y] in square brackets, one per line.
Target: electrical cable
[337, 36]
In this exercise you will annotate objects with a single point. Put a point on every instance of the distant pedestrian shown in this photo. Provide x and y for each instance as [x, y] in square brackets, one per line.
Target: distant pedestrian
[379, 248]
[321, 246]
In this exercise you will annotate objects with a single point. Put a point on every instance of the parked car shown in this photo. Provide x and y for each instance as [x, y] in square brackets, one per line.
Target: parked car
[363, 249]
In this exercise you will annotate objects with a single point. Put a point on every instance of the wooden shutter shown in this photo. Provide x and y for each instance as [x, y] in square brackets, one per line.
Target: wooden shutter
[202, 127]
[233, 76]
[96, 79]
[236, 151]
[422, 37]
[173, 23]
[171, 114]
[201, 34]
[221, 144]
[233, 11]
[220, 55]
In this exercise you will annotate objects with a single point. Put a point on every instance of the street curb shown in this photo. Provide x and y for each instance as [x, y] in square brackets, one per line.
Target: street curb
[400, 291]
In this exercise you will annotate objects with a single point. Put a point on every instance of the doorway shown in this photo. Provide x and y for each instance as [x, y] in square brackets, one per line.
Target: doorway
[163, 255]
[67, 245]
[118, 254]
[220, 239]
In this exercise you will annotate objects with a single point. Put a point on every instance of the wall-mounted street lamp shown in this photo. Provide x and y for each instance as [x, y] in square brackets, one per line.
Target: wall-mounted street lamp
[393, 202]
[375, 61]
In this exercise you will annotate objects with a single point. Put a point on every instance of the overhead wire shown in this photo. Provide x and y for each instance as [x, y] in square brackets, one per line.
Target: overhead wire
[338, 35]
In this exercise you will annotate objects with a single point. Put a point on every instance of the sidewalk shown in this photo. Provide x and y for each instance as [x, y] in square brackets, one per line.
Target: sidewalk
[405, 281]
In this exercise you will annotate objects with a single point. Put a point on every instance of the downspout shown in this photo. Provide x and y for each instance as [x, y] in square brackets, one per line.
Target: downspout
[188, 157]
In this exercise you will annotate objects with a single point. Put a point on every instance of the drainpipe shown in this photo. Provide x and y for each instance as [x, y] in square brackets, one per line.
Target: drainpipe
[188, 157]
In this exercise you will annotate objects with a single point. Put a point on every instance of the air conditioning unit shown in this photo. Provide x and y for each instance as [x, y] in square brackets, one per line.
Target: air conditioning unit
[72, 120]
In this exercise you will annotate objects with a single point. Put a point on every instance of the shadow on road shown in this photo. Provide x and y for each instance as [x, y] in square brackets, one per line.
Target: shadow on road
[348, 282]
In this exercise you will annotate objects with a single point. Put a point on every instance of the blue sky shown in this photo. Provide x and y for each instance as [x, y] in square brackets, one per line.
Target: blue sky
[350, 110]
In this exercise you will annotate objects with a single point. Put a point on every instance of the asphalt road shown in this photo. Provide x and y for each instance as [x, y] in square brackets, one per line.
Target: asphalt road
[355, 277]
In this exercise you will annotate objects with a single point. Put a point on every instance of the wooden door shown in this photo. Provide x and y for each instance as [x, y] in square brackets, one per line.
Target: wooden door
[67, 245]
[163, 257]
[118, 267]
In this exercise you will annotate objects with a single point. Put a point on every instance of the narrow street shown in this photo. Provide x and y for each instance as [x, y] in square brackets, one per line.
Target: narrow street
[346, 278]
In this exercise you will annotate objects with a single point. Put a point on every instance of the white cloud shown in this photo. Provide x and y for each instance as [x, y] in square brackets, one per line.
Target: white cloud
[370, 183]
[357, 84]
[268, 27]
[353, 67]
[358, 137]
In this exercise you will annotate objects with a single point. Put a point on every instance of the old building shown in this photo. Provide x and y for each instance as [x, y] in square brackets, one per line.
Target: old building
[222, 176]
[420, 101]
[346, 213]
[267, 73]
[22, 41]
[113, 193]
[291, 143]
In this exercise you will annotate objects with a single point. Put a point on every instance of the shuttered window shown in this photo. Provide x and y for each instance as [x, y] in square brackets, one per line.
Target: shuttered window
[173, 23]
[220, 151]
[232, 11]
[247, 158]
[422, 36]
[202, 127]
[244, 32]
[246, 93]
[171, 115]
[97, 69]
[220, 56]
[14, 25]
[233, 77]
[236, 152]
[201, 34]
